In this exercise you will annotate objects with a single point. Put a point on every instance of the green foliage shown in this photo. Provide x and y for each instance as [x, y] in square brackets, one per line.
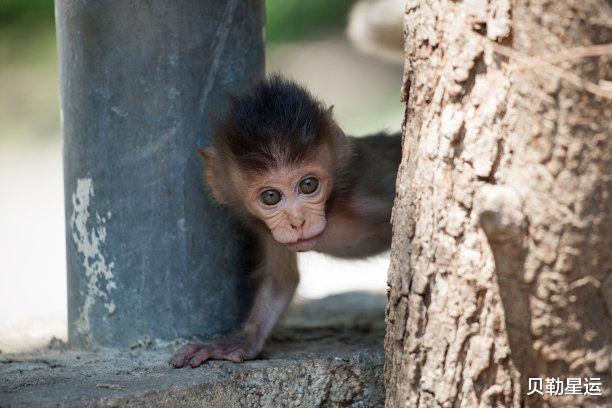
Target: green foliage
[25, 12]
[286, 20]
[290, 20]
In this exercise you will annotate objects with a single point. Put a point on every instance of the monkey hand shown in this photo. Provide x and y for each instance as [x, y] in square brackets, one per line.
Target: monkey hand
[235, 349]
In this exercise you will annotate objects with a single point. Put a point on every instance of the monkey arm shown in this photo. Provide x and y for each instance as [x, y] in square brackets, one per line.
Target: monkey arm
[278, 283]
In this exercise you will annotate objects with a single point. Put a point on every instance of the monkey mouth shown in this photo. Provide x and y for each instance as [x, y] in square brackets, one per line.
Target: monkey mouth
[304, 245]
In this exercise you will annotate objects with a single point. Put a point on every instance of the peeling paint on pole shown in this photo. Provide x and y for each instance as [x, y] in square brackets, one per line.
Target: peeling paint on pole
[89, 236]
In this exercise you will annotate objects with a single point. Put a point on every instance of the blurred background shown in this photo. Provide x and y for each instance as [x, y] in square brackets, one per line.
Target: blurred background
[305, 41]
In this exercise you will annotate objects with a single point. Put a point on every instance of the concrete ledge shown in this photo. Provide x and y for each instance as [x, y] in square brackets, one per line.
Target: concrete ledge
[326, 353]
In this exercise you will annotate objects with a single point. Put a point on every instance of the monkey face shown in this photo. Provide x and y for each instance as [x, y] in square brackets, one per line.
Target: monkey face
[290, 200]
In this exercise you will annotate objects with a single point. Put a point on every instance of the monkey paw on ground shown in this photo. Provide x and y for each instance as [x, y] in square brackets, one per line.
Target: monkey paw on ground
[196, 354]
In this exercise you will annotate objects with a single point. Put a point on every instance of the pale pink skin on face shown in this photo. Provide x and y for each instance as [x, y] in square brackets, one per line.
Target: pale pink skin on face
[298, 219]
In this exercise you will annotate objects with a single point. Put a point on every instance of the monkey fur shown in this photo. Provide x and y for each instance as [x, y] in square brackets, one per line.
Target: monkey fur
[284, 167]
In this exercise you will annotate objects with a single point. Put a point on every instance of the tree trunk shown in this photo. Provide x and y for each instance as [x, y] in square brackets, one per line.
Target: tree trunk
[502, 250]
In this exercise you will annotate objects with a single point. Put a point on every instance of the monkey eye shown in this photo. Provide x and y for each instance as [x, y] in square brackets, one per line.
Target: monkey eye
[270, 197]
[309, 185]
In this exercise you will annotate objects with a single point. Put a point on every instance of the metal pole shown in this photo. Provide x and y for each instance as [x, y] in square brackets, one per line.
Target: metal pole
[149, 255]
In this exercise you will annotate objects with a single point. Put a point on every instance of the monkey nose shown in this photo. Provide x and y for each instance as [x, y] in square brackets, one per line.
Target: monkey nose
[297, 224]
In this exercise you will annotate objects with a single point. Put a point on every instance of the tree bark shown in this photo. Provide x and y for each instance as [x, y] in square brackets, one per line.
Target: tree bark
[502, 251]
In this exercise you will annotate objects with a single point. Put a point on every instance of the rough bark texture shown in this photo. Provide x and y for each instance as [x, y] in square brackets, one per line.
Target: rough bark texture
[501, 256]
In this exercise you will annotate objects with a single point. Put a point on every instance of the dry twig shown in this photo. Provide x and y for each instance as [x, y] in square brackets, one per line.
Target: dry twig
[546, 62]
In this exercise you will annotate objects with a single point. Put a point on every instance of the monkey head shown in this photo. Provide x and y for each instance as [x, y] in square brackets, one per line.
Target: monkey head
[274, 159]
[290, 200]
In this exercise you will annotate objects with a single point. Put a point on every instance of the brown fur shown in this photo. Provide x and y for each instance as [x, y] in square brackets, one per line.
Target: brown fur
[347, 216]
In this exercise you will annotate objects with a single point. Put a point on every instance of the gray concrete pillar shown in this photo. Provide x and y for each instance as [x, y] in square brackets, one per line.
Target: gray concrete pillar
[149, 255]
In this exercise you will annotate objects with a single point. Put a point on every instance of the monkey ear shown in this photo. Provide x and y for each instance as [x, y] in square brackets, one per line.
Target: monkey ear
[330, 110]
[213, 172]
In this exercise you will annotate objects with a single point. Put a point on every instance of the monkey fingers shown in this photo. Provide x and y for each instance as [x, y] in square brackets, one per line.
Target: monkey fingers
[215, 352]
[195, 354]
[184, 354]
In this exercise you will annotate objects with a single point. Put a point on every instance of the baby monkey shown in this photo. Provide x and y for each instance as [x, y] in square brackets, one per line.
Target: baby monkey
[285, 168]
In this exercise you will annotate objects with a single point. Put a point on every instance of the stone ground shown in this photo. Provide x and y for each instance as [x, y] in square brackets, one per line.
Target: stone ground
[326, 353]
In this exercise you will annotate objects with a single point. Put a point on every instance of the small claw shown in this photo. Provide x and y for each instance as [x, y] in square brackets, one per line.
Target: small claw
[176, 363]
